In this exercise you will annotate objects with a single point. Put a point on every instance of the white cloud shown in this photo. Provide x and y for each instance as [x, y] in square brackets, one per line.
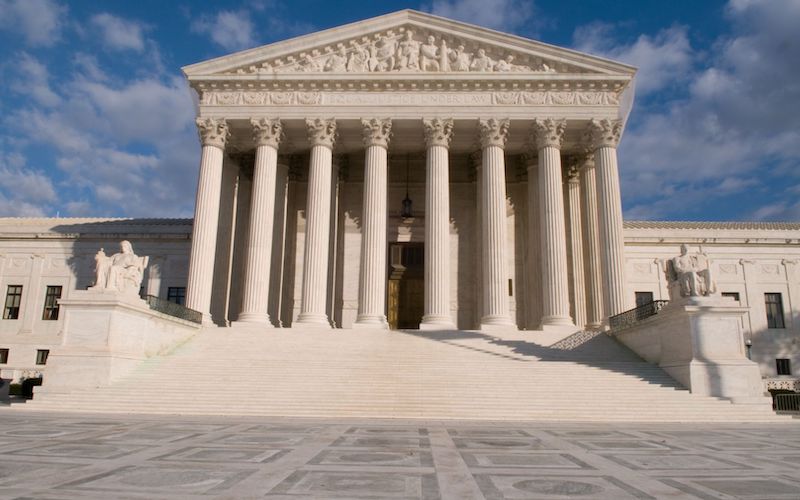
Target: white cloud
[38, 21]
[735, 118]
[662, 60]
[231, 30]
[34, 80]
[24, 191]
[118, 33]
[504, 15]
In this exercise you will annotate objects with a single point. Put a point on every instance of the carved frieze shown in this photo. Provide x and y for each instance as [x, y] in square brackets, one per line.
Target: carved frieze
[403, 50]
[418, 98]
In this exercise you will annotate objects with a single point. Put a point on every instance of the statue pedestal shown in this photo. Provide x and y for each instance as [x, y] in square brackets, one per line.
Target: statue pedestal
[699, 342]
[105, 336]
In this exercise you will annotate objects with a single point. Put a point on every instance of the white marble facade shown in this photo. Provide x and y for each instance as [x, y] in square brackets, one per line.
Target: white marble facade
[506, 146]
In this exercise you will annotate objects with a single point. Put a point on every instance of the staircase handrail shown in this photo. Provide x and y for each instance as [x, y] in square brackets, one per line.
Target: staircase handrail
[173, 309]
[629, 318]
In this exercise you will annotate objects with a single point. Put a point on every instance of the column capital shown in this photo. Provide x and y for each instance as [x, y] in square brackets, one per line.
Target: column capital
[377, 131]
[213, 131]
[438, 131]
[321, 131]
[603, 133]
[572, 173]
[267, 132]
[493, 132]
[548, 132]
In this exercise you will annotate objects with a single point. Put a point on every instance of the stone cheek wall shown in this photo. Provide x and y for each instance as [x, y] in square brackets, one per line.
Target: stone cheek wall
[747, 269]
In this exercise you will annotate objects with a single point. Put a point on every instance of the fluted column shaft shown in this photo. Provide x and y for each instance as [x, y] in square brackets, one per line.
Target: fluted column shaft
[213, 135]
[604, 136]
[493, 224]
[318, 221]
[591, 245]
[555, 286]
[576, 248]
[438, 134]
[258, 260]
[534, 302]
[372, 273]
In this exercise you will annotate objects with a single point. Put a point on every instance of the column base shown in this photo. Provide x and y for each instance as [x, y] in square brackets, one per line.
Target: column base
[313, 320]
[370, 322]
[253, 318]
[497, 323]
[556, 321]
[437, 323]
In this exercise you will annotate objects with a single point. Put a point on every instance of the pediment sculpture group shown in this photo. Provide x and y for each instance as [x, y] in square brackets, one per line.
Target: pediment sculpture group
[121, 272]
[690, 275]
[405, 53]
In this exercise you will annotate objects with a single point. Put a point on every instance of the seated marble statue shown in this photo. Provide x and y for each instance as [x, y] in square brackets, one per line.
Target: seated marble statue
[122, 272]
[690, 275]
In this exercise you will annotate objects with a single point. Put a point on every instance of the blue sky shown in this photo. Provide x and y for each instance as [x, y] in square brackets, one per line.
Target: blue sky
[97, 120]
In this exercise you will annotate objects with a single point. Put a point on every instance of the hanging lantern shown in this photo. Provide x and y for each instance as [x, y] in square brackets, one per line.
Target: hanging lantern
[406, 212]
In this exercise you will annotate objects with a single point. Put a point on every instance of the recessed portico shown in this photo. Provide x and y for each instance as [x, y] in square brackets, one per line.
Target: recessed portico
[484, 154]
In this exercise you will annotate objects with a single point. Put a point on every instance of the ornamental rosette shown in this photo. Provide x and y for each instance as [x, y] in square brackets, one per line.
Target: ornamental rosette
[603, 133]
[321, 131]
[438, 131]
[377, 131]
[494, 132]
[267, 132]
[213, 131]
[548, 132]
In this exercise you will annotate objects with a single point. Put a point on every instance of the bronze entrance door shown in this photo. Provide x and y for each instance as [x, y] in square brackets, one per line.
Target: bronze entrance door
[406, 285]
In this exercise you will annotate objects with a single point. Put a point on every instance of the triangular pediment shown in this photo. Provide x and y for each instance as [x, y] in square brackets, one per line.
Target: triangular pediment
[407, 42]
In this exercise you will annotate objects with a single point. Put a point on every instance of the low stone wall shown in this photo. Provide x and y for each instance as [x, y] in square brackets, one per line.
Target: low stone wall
[699, 342]
[106, 336]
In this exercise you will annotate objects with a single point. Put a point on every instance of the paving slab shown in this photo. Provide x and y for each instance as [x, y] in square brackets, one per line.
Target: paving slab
[70, 456]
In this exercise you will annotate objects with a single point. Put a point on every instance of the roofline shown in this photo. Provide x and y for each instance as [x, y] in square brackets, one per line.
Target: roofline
[408, 15]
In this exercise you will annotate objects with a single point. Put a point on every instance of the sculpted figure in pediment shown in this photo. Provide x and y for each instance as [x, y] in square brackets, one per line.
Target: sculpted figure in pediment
[408, 53]
[309, 65]
[482, 62]
[429, 55]
[357, 63]
[459, 60]
[385, 52]
[337, 62]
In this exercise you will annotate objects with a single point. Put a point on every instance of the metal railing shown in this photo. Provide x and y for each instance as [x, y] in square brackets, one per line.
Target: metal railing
[173, 309]
[787, 402]
[629, 318]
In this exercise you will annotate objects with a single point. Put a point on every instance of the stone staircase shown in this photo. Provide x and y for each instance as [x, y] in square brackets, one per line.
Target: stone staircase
[403, 374]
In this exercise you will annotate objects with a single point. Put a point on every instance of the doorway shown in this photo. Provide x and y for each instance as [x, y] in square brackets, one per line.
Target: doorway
[406, 285]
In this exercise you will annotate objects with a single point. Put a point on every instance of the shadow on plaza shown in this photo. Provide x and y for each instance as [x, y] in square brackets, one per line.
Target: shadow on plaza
[595, 349]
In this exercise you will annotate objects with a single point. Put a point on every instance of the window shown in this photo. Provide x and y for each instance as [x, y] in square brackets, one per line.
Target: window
[41, 356]
[643, 298]
[733, 295]
[3, 356]
[13, 299]
[784, 366]
[51, 306]
[177, 294]
[774, 305]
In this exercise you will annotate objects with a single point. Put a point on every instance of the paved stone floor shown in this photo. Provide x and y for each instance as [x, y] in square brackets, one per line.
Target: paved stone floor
[69, 456]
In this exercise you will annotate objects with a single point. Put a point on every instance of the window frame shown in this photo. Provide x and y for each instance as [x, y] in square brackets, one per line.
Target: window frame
[5, 352]
[783, 363]
[774, 310]
[51, 304]
[41, 356]
[180, 294]
[649, 293]
[16, 298]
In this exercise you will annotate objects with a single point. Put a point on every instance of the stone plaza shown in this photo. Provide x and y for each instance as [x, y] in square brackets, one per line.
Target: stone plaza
[71, 456]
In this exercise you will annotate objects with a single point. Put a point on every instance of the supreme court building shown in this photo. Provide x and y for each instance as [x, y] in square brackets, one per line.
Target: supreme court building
[410, 171]
[402, 172]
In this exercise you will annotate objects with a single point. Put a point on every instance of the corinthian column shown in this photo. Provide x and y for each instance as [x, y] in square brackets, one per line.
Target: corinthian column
[591, 245]
[493, 136]
[321, 135]
[603, 137]
[547, 135]
[372, 274]
[213, 135]
[255, 301]
[576, 246]
[438, 133]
